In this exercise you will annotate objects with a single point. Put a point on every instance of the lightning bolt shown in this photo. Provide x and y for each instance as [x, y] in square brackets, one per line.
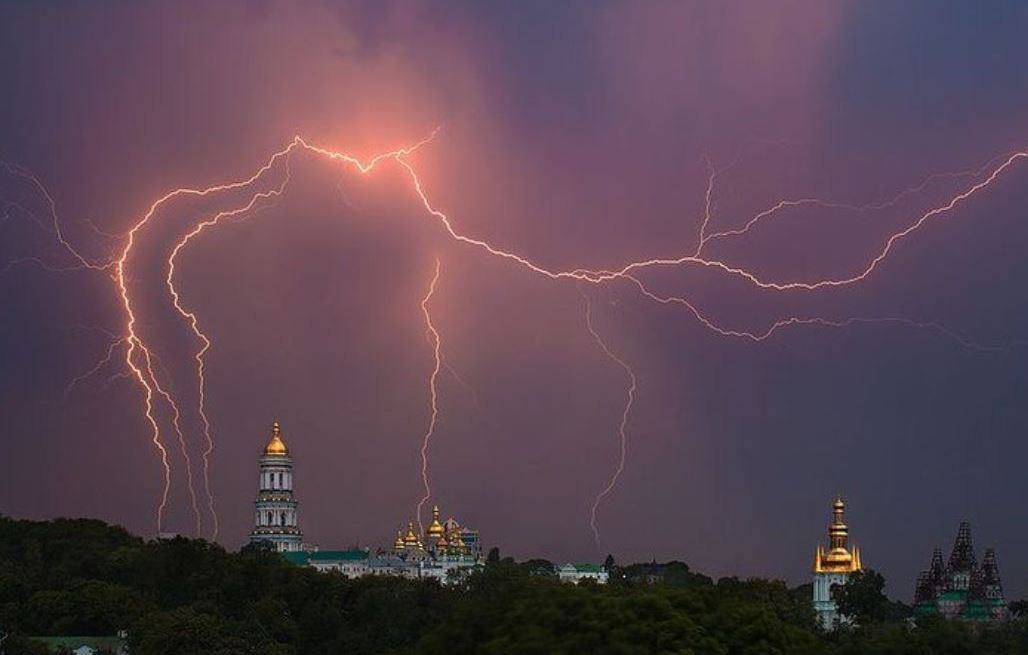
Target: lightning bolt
[436, 342]
[116, 343]
[822, 283]
[790, 321]
[781, 205]
[707, 206]
[625, 412]
[138, 355]
[55, 225]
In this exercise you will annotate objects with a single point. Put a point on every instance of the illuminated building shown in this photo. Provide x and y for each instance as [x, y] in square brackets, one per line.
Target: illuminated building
[575, 573]
[833, 567]
[961, 589]
[446, 552]
[276, 520]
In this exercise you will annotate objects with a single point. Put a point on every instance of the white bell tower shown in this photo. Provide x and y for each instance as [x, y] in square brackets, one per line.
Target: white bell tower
[276, 519]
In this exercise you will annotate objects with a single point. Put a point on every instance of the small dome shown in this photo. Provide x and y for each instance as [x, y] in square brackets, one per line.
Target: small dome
[276, 446]
[435, 530]
[410, 539]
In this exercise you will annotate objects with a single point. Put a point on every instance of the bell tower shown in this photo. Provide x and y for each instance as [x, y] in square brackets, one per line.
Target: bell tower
[276, 518]
[833, 567]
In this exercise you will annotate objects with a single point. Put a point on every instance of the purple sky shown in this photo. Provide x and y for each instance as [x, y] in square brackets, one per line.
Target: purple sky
[577, 135]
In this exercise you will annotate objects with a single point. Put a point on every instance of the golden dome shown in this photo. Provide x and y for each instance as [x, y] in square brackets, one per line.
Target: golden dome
[456, 540]
[410, 539]
[838, 556]
[435, 530]
[276, 446]
[398, 544]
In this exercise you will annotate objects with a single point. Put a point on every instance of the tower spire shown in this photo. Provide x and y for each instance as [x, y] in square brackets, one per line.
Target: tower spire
[435, 530]
[276, 445]
[962, 556]
[838, 533]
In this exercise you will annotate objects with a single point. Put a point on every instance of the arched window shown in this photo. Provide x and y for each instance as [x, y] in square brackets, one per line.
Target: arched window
[269, 519]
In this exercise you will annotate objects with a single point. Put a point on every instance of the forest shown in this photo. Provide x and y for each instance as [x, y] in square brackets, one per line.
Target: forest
[186, 596]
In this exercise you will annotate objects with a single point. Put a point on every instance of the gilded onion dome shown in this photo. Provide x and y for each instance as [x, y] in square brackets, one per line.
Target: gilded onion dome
[456, 541]
[840, 556]
[275, 445]
[435, 530]
[398, 544]
[410, 539]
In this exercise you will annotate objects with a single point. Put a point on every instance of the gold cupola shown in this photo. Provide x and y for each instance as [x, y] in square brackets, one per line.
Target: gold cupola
[276, 447]
[398, 544]
[435, 530]
[839, 558]
[410, 539]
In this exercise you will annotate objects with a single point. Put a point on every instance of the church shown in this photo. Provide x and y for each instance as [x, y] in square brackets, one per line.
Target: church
[446, 551]
[961, 589]
[834, 566]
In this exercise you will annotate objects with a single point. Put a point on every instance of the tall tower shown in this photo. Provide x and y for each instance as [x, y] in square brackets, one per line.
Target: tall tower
[834, 567]
[276, 518]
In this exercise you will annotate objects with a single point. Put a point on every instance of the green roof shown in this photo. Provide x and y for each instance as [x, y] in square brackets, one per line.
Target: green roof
[337, 555]
[976, 610]
[297, 557]
[588, 568]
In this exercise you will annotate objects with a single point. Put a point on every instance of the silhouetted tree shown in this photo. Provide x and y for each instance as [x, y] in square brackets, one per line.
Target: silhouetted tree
[862, 599]
[190, 596]
[494, 556]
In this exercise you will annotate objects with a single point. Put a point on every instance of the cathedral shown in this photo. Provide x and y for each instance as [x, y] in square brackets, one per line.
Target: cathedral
[961, 589]
[833, 567]
[441, 540]
[446, 550]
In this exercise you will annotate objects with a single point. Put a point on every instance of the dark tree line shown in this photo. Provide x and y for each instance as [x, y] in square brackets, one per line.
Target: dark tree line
[189, 596]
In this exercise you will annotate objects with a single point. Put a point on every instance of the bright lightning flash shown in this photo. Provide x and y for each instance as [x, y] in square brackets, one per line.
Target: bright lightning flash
[139, 356]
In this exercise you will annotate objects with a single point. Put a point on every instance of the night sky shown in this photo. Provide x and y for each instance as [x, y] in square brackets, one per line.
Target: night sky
[577, 135]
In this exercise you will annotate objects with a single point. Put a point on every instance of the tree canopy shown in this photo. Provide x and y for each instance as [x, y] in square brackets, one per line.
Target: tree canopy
[185, 596]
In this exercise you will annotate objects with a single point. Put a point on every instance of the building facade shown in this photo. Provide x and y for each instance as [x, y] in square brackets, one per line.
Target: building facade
[961, 589]
[576, 573]
[276, 516]
[833, 567]
[447, 551]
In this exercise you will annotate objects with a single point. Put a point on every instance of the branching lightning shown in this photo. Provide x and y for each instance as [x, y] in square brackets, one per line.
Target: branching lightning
[139, 355]
[104, 361]
[625, 412]
[433, 393]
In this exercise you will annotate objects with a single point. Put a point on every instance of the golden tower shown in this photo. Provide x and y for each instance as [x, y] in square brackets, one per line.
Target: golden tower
[833, 567]
[435, 530]
[840, 558]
